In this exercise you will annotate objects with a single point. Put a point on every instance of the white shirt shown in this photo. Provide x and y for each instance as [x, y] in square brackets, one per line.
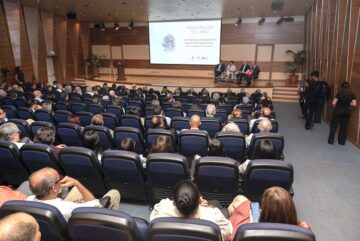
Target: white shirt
[231, 68]
[66, 207]
[165, 208]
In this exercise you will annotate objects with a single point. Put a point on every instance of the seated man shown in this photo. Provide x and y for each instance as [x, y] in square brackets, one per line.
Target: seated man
[195, 123]
[19, 227]
[10, 132]
[264, 127]
[265, 114]
[38, 97]
[158, 122]
[160, 112]
[3, 118]
[242, 72]
[219, 69]
[46, 184]
[7, 194]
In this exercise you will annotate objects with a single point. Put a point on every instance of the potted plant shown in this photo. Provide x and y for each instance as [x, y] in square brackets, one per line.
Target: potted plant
[295, 66]
[94, 62]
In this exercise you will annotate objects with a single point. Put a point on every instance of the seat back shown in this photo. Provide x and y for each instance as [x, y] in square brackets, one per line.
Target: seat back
[124, 132]
[193, 142]
[263, 174]
[69, 134]
[11, 112]
[53, 226]
[12, 170]
[77, 107]
[242, 124]
[106, 139]
[95, 109]
[172, 112]
[20, 102]
[23, 127]
[221, 115]
[180, 123]
[43, 115]
[273, 231]
[211, 125]
[183, 229]
[110, 120]
[25, 113]
[131, 121]
[8, 101]
[164, 171]
[83, 165]
[62, 116]
[275, 138]
[61, 105]
[38, 124]
[234, 144]
[37, 156]
[88, 224]
[200, 113]
[116, 110]
[153, 134]
[149, 111]
[85, 118]
[217, 178]
[123, 171]
[185, 107]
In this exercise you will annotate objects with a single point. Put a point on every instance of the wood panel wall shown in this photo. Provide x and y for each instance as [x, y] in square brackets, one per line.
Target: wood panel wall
[28, 36]
[332, 42]
[232, 39]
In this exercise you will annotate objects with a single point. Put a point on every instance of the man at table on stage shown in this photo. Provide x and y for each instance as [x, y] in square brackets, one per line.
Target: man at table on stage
[242, 72]
[219, 69]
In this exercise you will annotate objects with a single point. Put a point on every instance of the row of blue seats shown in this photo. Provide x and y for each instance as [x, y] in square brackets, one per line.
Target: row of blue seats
[188, 143]
[93, 224]
[217, 177]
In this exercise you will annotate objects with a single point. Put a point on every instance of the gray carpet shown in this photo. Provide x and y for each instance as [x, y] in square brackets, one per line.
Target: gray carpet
[327, 178]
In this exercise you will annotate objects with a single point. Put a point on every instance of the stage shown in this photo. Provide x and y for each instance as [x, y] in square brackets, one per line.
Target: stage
[157, 82]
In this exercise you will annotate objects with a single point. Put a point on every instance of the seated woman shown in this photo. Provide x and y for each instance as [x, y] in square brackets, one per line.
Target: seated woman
[48, 106]
[91, 140]
[235, 114]
[277, 206]
[264, 150]
[189, 203]
[46, 135]
[162, 144]
[98, 120]
[128, 144]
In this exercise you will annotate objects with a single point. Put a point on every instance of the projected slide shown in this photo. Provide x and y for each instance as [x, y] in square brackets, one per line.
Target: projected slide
[186, 42]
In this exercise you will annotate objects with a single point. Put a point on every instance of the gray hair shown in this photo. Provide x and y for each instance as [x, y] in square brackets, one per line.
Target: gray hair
[67, 89]
[265, 126]
[210, 110]
[231, 126]
[88, 89]
[7, 130]
[245, 99]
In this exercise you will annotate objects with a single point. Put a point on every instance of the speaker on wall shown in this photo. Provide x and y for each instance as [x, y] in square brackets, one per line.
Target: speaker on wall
[71, 15]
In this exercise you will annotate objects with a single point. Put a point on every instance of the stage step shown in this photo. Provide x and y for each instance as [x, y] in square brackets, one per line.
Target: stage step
[78, 81]
[285, 94]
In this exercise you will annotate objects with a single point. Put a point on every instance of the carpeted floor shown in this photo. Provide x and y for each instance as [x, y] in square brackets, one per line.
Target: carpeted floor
[327, 178]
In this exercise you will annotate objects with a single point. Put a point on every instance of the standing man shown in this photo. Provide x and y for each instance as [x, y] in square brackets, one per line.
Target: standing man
[324, 96]
[312, 98]
[219, 69]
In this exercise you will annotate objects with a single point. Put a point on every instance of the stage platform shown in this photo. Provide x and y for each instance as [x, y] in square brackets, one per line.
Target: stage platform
[157, 82]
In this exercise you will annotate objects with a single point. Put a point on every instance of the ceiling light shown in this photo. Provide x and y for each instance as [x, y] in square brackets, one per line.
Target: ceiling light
[131, 25]
[116, 26]
[102, 27]
[261, 20]
[238, 22]
[280, 20]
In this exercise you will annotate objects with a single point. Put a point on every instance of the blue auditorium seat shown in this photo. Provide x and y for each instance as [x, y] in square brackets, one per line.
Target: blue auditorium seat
[152, 134]
[192, 112]
[275, 138]
[11, 112]
[217, 178]
[222, 115]
[70, 134]
[53, 226]
[180, 123]
[43, 115]
[234, 144]
[93, 224]
[83, 165]
[116, 110]
[25, 113]
[61, 105]
[85, 117]
[173, 112]
[131, 121]
[106, 138]
[164, 171]
[38, 124]
[272, 232]
[135, 134]
[182, 229]
[263, 174]
[20, 102]
[78, 107]
[123, 171]
[110, 120]
[95, 109]
[62, 116]
[243, 125]
[193, 142]
[211, 125]
[12, 169]
[149, 111]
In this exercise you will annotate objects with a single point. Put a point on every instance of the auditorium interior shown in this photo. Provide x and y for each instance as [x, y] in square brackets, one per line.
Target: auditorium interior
[149, 68]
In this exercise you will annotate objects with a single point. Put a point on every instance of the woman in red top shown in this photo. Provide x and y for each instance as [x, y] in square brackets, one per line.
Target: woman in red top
[277, 206]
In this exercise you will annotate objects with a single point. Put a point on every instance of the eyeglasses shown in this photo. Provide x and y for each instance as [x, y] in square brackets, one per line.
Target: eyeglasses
[60, 178]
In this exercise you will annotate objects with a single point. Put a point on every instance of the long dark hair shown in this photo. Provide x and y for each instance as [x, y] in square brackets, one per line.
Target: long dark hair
[265, 150]
[186, 197]
[92, 141]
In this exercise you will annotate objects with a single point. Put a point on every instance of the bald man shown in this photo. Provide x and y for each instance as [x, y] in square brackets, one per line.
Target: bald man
[46, 184]
[195, 123]
[265, 114]
[19, 227]
[264, 127]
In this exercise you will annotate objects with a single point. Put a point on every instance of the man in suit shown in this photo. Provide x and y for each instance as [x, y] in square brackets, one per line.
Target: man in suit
[252, 73]
[242, 72]
[219, 69]
[312, 98]
[256, 71]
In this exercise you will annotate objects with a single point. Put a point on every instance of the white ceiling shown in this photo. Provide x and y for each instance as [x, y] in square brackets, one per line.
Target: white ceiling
[157, 10]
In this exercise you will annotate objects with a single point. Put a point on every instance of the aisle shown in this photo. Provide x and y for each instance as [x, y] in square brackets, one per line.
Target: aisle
[327, 177]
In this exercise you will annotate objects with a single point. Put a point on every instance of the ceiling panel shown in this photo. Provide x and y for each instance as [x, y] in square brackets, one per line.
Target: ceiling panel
[158, 10]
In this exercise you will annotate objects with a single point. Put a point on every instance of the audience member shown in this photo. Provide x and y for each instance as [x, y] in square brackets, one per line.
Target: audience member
[158, 122]
[74, 119]
[46, 135]
[128, 144]
[195, 122]
[232, 127]
[47, 105]
[10, 132]
[235, 114]
[265, 114]
[3, 118]
[46, 184]
[216, 148]
[264, 127]
[91, 140]
[264, 150]
[34, 106]
[7, 194]
[37, 97]
[19, 227]
[189, 203]
[210, 110]
[162, 144]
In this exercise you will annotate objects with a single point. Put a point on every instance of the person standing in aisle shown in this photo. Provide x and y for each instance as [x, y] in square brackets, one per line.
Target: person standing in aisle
[312, 98]
[341, 113]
